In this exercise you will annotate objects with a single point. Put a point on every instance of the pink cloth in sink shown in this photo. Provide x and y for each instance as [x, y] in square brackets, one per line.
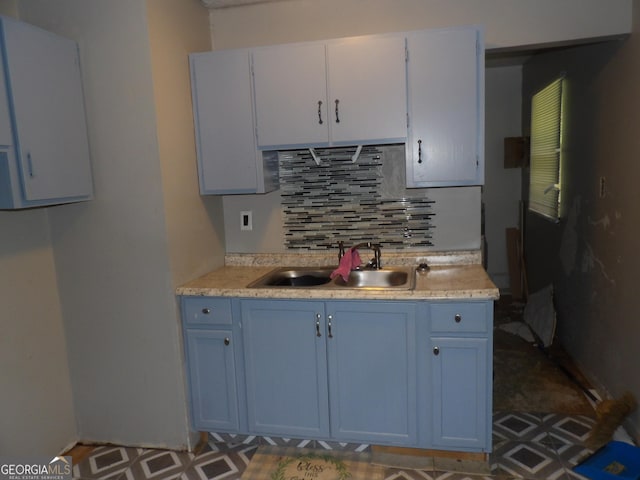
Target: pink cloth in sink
[349, 261]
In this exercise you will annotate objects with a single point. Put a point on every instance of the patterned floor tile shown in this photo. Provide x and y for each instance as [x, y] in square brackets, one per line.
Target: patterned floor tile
[571, 428]
[516, 426]
[529, 460]
[234, 439]
[222, 463]
[342, 446]
[525, 446]
[287, 442]
[106, 463]
[158, 465]
[395, 474]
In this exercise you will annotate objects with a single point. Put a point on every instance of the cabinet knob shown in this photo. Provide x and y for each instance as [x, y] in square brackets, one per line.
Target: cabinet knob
[458, 318]
[337, 111]
[318, 334]
[320, 112]
[206, 310]
[436, 350]
[419, 151]
[329, 318]
[227, 341]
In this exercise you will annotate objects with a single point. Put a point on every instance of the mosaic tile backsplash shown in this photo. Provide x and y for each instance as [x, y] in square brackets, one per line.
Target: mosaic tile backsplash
[330, 198]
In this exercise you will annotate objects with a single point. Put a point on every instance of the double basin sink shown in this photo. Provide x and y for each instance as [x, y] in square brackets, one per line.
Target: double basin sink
[394, 278]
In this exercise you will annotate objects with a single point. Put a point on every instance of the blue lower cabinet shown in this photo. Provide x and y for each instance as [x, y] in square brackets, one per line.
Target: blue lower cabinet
[459, 355]
[459, 379]
[212, 380]
[339, 370]
[372, 372]
[414, 374]
[285, 368]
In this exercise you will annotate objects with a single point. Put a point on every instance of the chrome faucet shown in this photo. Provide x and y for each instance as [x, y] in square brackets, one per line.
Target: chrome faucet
[374, 263]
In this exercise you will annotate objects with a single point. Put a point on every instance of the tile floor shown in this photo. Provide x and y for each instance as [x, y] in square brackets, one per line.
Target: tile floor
[529, 446]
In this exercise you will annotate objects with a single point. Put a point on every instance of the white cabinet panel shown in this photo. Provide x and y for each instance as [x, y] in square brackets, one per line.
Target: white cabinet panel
[343, 92]
[228, 160]
[368, 80]
[291, 95]
[48, 125]
[446, 91]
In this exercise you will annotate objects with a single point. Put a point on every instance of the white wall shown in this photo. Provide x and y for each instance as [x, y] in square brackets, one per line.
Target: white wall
[36, 407]
[194, 223]
[113, 255]
[501, 193]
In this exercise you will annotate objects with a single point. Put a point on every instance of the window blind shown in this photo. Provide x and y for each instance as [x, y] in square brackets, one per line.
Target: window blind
[545, 177]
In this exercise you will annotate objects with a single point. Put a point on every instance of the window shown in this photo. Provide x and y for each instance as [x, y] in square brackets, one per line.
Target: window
[545, 177]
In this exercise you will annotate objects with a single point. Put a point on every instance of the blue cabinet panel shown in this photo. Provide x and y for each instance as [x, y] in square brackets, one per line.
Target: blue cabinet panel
[372, 371]
[460, 395]
[207, 311]
[401, 373]
[285, 367]
[212, 380]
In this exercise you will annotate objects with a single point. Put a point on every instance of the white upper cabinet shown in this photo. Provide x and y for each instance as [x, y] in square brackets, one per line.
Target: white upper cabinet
[367, 90]
[347, 91]
[44, 155]
[290, 84]
[228, 160]
[446, 108]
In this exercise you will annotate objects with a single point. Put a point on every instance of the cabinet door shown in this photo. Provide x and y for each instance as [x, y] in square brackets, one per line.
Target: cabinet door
[212, 380]
[285, 366]
[222, 109]
[446, 92]
[290, 86]
[43, 73]
[372, 371]
[460, 394]
[367, 79]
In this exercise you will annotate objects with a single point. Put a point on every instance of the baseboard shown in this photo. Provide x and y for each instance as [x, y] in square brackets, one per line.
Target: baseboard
[424, 452]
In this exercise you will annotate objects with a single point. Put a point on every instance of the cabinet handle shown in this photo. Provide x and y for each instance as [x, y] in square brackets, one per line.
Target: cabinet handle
[329, 318]
[30, 164]
[458, 318]
[318, 334]
[419, 151]
[227, 341]
[337, 111]
[206, 310]
[436, 351]
[320, 112]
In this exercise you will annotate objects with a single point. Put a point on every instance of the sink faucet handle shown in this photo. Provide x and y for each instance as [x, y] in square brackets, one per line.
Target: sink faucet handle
[340, 250]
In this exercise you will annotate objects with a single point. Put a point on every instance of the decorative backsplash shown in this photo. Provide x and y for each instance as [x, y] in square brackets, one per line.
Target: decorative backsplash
[330, 198]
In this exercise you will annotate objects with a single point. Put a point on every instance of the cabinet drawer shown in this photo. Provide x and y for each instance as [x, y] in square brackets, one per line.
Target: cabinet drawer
[206, 310]
[459, 317]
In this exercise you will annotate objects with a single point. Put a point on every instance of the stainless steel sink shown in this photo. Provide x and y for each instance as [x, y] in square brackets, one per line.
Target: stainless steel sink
[295, 277]
[394, 278]
[383, 278]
